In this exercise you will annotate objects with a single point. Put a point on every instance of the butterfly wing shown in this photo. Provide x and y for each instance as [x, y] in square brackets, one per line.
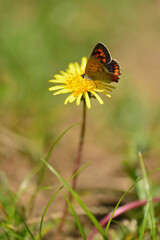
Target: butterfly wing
[100, 66]
[101, 53]
[96, 71]
[114, 67]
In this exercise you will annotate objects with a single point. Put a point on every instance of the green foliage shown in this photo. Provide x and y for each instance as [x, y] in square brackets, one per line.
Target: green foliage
[149, 209]
[13, 223]
[76, 218]
[81, 203]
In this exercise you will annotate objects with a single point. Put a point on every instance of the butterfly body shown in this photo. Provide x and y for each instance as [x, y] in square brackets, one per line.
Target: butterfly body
[101, 66]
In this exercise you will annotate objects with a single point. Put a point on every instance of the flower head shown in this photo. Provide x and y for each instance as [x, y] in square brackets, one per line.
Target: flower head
[79, 88]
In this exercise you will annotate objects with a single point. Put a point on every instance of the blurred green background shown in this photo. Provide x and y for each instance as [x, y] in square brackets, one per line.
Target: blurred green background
[40, 38]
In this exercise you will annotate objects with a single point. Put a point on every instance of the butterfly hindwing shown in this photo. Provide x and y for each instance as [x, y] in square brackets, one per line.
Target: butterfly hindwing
[114, 67]
[96, 71]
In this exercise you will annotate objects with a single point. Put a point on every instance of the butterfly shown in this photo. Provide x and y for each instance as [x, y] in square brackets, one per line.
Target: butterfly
[101, 66]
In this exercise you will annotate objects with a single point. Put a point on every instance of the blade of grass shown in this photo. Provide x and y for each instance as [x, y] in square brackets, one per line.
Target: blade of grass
[106, 230]
[76, 218]
[26, 226]
[143, 226]
[121, 210]
[76, 196]
[26, 181]
[41, 176]
[107, 227]
[150, 217]
[51, 149]
[8, 232]
[52, 198]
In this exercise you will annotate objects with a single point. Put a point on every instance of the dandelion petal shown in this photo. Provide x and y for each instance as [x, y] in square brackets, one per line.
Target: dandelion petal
[79, 99]
[98, 97]
[72, 99]
[88, 102]
[67, 99]
[56, 88]
[62, 91]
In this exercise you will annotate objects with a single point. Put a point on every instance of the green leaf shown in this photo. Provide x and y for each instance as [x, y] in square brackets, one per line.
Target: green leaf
[76, 218]
[109, 222]
[26, 225]
[50, 201]
[76, 196]
[149, 211]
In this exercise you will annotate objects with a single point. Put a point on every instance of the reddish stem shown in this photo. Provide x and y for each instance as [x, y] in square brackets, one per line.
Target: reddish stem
[80, 149]
[76, 167]
[119, 211]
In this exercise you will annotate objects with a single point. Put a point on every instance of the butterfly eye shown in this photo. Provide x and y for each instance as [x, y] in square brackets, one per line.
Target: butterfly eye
[83, 75]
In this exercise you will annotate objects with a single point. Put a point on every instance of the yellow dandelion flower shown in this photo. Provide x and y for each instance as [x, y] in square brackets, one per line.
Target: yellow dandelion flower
[79, 87]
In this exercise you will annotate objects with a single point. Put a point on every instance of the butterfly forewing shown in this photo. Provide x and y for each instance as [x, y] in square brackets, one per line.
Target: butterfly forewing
[101, 53]
[93, 66]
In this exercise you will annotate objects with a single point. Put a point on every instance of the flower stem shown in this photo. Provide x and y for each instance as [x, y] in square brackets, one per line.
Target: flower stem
[75, 169]
[80, 149]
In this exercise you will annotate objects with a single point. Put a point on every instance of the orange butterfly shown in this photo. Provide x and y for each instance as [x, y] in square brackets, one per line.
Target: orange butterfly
[101, 66]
